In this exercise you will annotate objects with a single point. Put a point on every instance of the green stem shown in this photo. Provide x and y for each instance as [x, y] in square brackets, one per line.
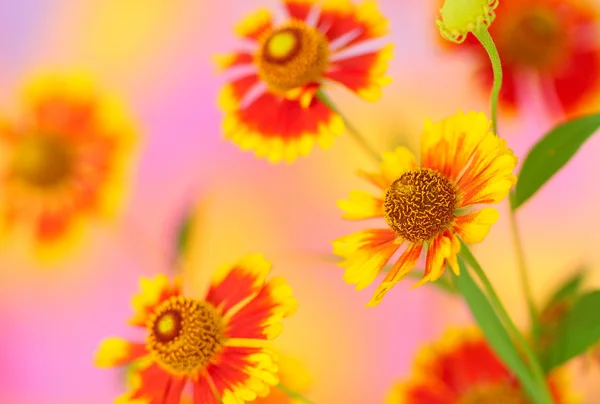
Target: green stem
[486, 40]
[496, 303]
[360, 139]
[293, 394]
[523, 274]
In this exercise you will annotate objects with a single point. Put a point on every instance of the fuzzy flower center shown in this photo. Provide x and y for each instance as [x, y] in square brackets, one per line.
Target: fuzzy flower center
[292, 56]
[497, 394]
[42, 161]
[184, 335]
[419, 204]
[533, 39]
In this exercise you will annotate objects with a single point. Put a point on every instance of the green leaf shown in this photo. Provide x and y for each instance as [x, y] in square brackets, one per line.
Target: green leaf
[568, 289]
[577, 332]
[550, 154]
[494, 330]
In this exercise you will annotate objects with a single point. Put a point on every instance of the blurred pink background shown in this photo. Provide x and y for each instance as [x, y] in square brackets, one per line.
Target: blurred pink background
[156, 56]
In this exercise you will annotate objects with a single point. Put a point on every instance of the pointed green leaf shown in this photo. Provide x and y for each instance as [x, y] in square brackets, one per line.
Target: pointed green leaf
[494, 330]
[550, 154]
[578, 331]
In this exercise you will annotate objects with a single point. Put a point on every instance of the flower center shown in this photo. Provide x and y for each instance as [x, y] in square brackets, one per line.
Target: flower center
[534, 39]
[184, 335]
[419, 204]
[497, 394]
[292, 56]
[42, 161]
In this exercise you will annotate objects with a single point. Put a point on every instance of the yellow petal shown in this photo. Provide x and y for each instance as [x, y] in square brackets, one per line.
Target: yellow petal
[361, 205]
[475, 226]
[115, 351]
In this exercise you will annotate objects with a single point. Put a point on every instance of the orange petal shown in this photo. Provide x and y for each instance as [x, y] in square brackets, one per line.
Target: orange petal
[341, 17]
[117, 352]
[255, 24]
[475, 226]
[365, 253]
[232, 284]
[281, 129]
[243, 374]
[153, 291]
[393, 165]
[403, 266]
[361, 205]
[260, 318]
[364, 74]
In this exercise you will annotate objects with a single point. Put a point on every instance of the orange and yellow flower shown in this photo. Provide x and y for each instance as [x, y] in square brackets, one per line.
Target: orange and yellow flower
[427, 206]
[271, 105]
[462, 368]
[63, 163]
[216, 344]
[554, 41]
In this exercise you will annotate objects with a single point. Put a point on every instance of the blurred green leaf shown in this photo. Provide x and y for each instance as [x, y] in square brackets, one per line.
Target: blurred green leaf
[494, 330]
[578, 331]
[550, 154]
[183, 233]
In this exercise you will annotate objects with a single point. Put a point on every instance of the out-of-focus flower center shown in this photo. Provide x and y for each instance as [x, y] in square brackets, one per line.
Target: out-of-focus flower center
[292, 56]
[42, 161]
[419, 204]
[184, 335]
[497, 394]
[534, 39]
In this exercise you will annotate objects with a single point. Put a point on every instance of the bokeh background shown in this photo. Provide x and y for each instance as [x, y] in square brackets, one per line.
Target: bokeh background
[156, 57]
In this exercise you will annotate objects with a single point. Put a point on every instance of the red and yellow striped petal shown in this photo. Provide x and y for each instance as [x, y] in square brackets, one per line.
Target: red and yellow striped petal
[233, 94]
[227, 61]
[364, 74]
[280, 129]
[401, 268]
[341, 17]
[473, 227]
[152, 385]
[489, 177]
[447, 145]
[365, 253]
[243, 374]
[393, 165]
[255, 25]
[203, 393]
[153, 291]
[117, 352]
[361, 205]
[260, 318]
[442, 249]
[234, 284]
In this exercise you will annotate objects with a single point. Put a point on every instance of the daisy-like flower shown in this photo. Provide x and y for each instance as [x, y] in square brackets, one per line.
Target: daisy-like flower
[554, 42]
[427, 206]
[462, 368]
[216, 344]
[63, 163]
[270, 106]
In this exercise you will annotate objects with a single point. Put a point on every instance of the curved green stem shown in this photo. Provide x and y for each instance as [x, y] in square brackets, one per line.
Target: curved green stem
[293, 394]
[486, 40]
[360, 139]
[523, 274]
[496, 303]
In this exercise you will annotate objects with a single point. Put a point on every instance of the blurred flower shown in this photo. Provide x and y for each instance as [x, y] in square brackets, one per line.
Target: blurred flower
[271, 105]
[462, 164]
[62, 163]
[217, 343]
[459, 17]
[462, 368]
[555, 40]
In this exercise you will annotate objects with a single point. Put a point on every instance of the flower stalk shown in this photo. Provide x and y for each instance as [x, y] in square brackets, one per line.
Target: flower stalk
[487, 42]
[292, 394]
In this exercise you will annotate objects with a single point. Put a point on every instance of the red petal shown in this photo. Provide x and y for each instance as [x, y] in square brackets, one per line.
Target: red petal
[298, 9]
[203, 393]
[158, 386]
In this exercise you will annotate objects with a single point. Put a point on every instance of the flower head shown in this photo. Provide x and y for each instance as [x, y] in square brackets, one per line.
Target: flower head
[271, 105]
[459, 17]
[554, 41]
[62, 163]
[427, 206]
[462, 368]
[216, 344]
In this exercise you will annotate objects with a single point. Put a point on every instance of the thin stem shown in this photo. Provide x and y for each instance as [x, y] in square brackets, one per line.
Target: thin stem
[496, 303]
[486, 40]
[360, 139]
[293, 394]
[523, 273]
